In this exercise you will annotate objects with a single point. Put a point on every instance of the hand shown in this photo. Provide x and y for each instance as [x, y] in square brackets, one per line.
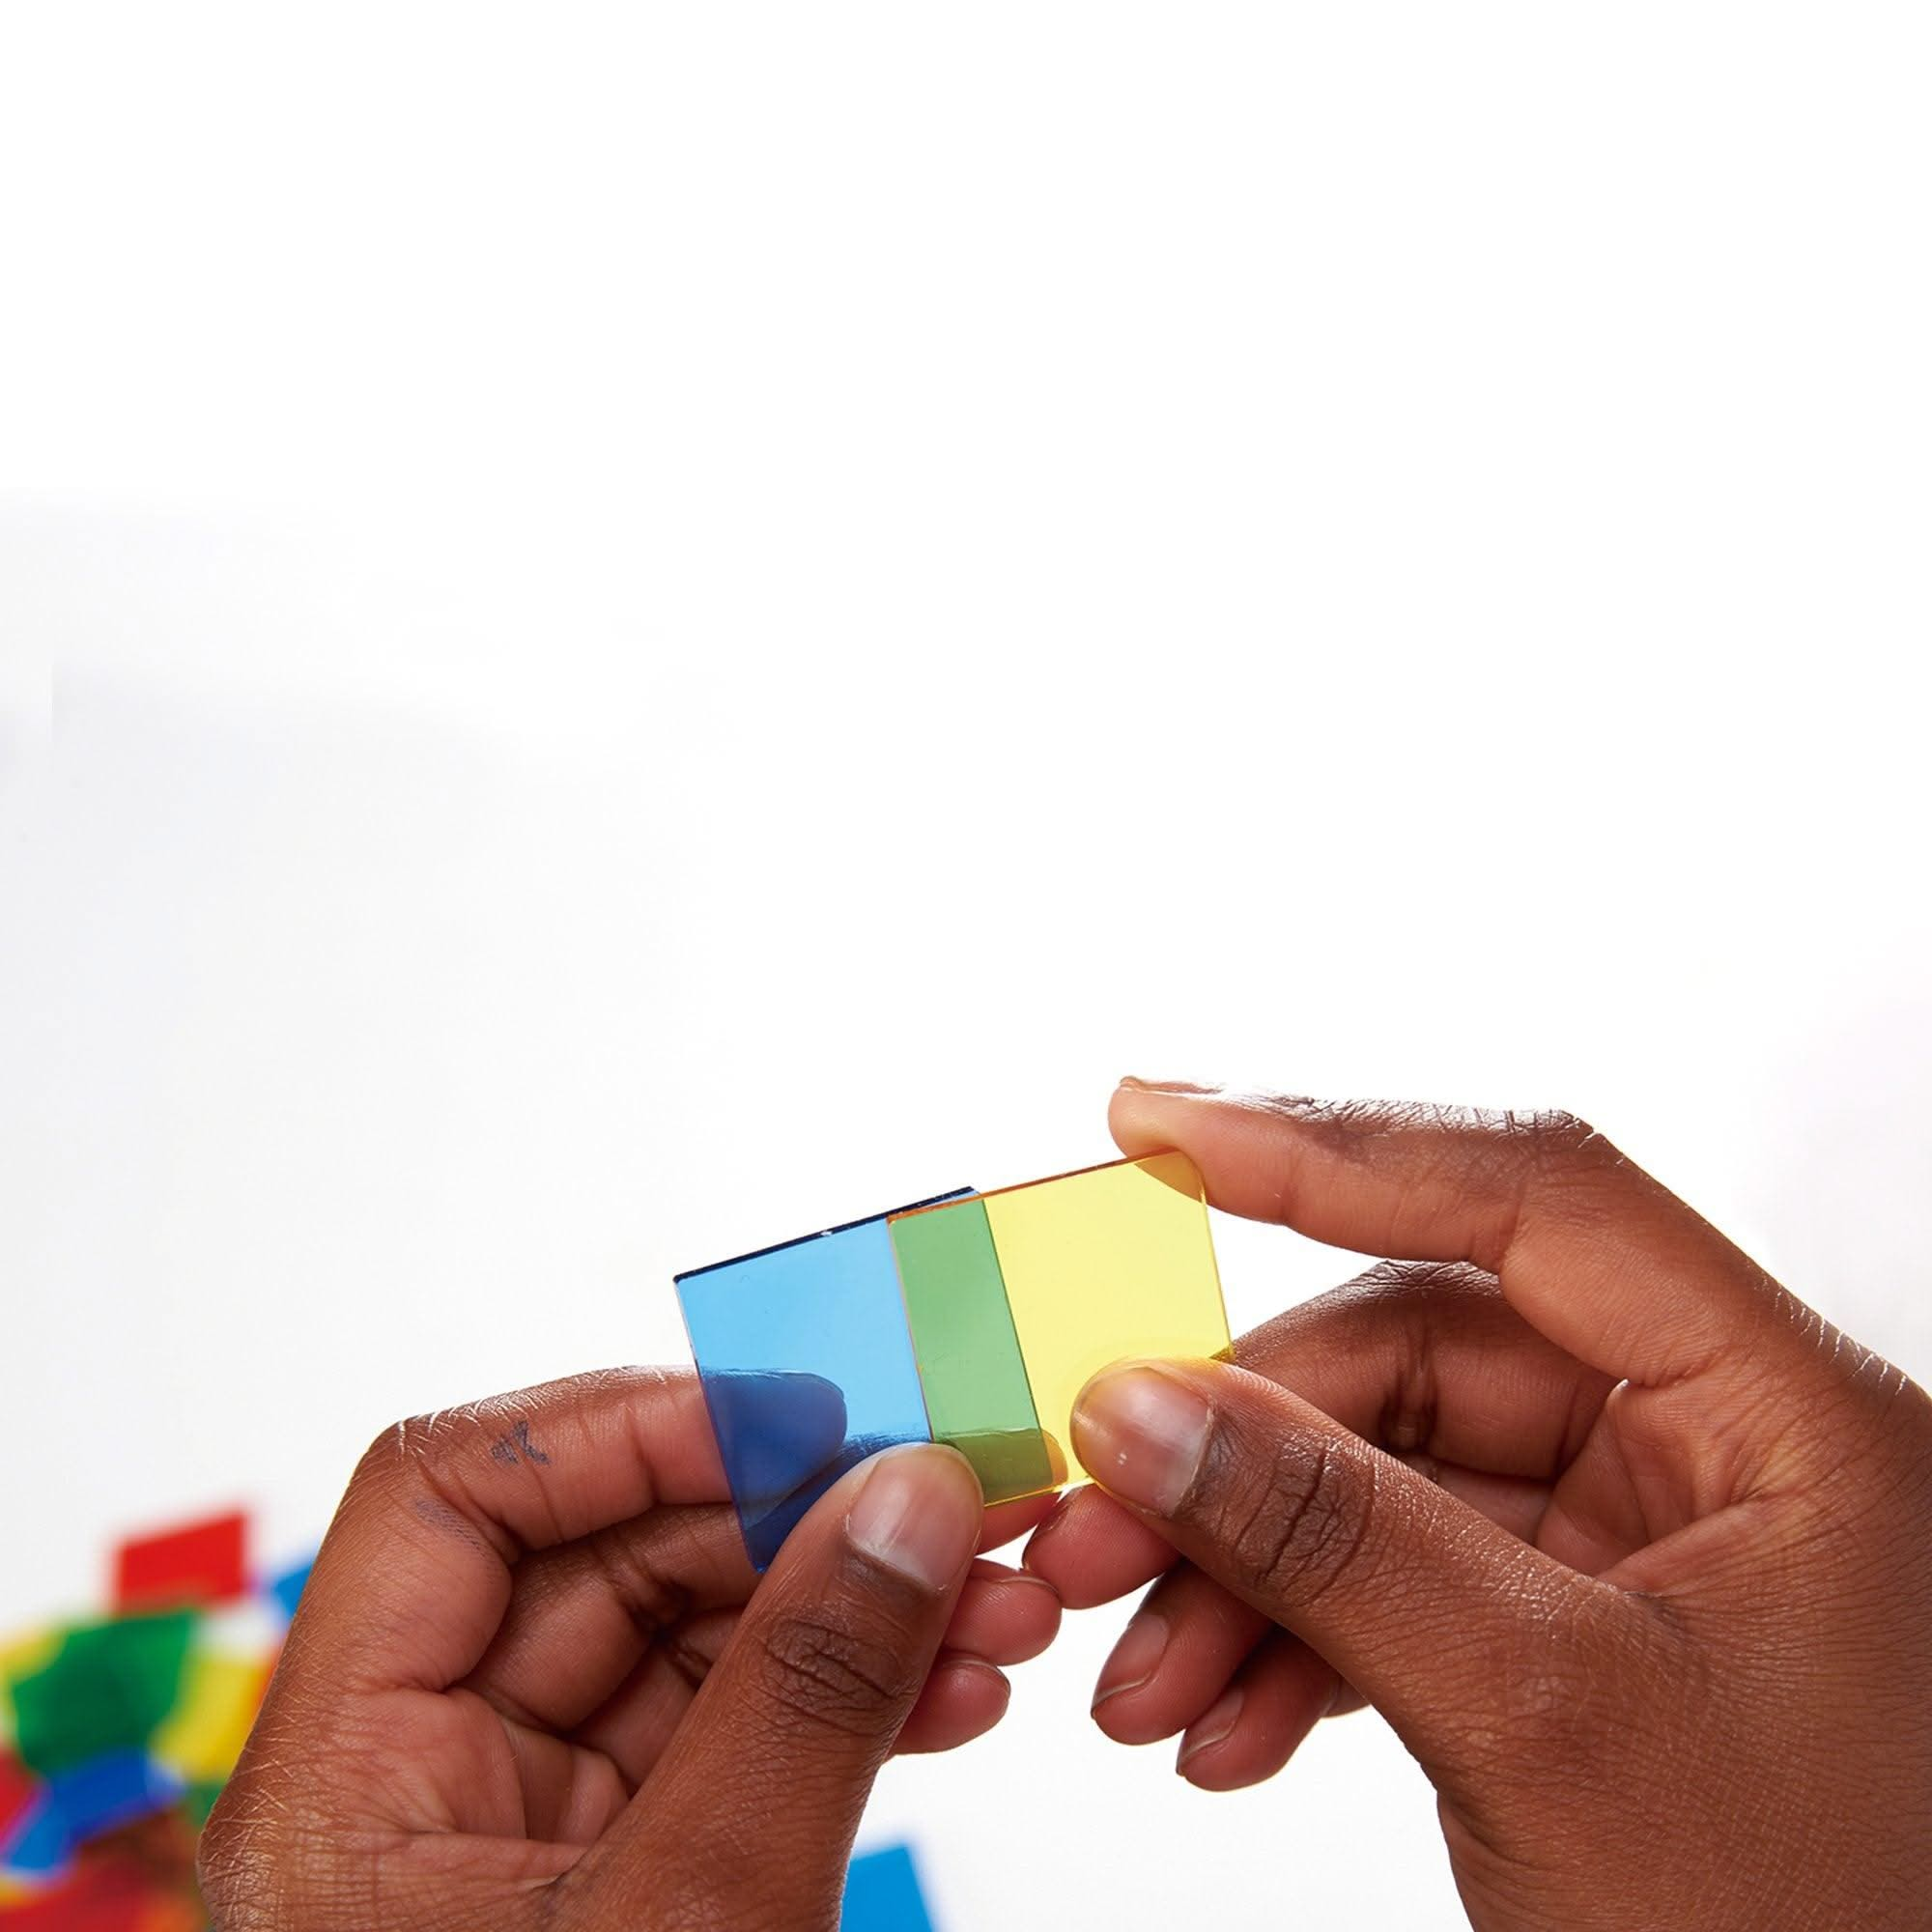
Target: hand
[531, 1683]
[1626, 1543]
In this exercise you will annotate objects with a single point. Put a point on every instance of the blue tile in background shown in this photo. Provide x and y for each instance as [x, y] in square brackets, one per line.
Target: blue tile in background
[84, 1801]
[808, 1368]
[882, 1894]
[285, 1590]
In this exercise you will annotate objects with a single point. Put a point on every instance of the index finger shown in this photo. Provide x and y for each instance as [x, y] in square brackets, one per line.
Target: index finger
[1596, 1254]
[414, 1574]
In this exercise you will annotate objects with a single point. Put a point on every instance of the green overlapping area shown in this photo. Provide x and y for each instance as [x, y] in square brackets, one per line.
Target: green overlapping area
[1015, 1297]
[970, 1368]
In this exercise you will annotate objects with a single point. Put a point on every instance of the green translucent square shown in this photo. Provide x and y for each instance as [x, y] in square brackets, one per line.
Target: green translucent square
[198, 1801]
[106, 1689]
[970, 1371]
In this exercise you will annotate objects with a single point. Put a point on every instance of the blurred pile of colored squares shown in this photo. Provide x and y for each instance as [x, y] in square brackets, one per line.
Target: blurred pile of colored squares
[117, 1733]
[969, 1318]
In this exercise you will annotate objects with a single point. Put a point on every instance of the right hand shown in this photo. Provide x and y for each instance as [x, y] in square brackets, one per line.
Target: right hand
[1628, 1544]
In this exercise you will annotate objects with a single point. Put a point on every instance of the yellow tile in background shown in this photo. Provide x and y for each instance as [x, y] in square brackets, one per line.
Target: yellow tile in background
[22, 1655]
[1109, 1262]
[204, 1734]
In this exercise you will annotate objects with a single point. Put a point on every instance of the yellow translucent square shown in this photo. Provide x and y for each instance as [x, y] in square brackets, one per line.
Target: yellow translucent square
[1110, 1263]
[24, 1655]
[205, 1732]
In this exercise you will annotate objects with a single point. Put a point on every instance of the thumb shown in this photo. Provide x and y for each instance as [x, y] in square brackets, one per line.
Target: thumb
[748, 1819]
[1462, 1635]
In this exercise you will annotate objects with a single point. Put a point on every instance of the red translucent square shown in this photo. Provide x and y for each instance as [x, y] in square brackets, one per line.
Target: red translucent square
[198, 1563]
[18, 1788]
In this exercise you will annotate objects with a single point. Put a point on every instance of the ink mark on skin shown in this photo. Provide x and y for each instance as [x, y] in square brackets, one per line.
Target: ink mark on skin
[439, 1516]
[505, 1448]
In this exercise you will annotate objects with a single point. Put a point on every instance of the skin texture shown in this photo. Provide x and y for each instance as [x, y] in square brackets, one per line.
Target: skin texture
[530, 1684]
[1628, 1544]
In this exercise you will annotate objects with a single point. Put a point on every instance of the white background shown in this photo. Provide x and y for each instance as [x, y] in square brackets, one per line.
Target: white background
[628, 630]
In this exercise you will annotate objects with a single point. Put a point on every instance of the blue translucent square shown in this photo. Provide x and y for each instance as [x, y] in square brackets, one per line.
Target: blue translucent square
[807, 1365]
[882, 1894]
[84, 1801]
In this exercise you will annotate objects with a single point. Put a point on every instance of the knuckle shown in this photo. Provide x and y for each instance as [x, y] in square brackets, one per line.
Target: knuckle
[639, 1573]
[1295, 1528]
[1564, 1164]
[1408, 1281]
[825, 1674]
[409, 1443]
[1553, 1137]
[441, 1436]
[419, 1449]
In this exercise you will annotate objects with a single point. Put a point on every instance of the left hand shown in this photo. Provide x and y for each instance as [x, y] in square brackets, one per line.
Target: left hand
[532, 1681]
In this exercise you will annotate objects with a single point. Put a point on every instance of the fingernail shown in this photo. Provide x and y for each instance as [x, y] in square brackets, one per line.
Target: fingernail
[1135, 1658]
[1142, 1434]
[916, 1513]
[1140, 1085]
[1205, 1733]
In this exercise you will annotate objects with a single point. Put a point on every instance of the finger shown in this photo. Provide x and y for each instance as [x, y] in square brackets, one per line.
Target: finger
[964, 1696]
[749, 1816]
[1410, 1594]
[1517, 1504]
[1432, 1359]
[1092, 1550]
[1277, 1697]
[1188, 1642]
[612, 1643]
[1599, 1256]
[580, 1617]
[963, 1699]
[1175, 1658]
[1007, 1521]
[1431, 1362]
[414, 1575]
[635, 1723]
[1425, 1360]
[1004, 1616]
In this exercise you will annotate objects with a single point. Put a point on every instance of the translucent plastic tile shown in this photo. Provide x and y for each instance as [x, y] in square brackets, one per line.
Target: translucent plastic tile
[106, 1689]
[204, 1734]
[18, 1788]
[108, 1791]
[977, 1396]
[197, 1563]
[882, 1894]
[1109, 1262]
[807, 1366]
[286, 1586]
